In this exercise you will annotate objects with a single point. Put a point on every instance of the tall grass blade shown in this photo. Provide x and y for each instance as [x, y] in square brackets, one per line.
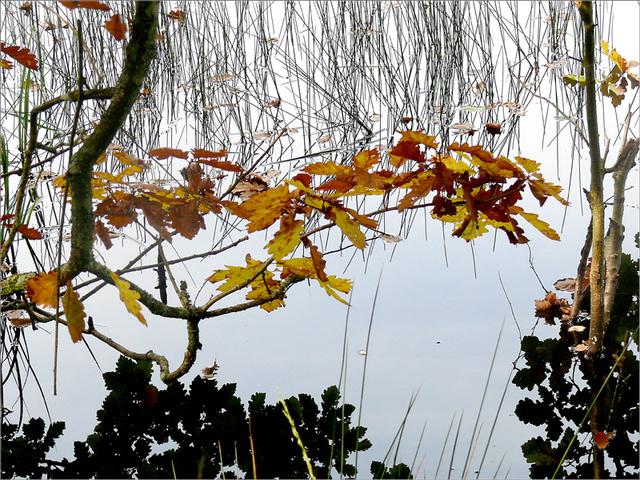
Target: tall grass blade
[415, 456]
[297, 436]
[484, 395]
[444, 446]
[495, 419]
[455, 443]
[253, 450]
[364, 368]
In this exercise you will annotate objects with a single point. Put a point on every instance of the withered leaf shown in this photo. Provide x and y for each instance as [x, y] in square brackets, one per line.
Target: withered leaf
[21, 55]
[116, 27]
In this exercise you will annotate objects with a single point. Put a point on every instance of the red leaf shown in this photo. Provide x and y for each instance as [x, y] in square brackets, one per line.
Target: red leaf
[21, 55]
[91, 5]
[103, 234]
[162, 153]
[223, 165]
[304, 179]
[115, 27]
[493, 129]
[200, 153]
[7, 217]
[176, 15]
[601, 439]
[318, 262]
[30, 233]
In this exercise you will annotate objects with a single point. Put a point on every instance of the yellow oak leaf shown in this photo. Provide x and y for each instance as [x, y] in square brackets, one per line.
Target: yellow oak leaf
[529, 165]
[541, 190]
[327, 168]
[335, 285]
[348, 226]
[419, 137]
[43, 289]
[236, 276]
[265, 208]
[533, 219]
[74, 310]
[455, 165]
[298, 266]
[366, 159]
[287, 238]
[129, 297]
[261, 291]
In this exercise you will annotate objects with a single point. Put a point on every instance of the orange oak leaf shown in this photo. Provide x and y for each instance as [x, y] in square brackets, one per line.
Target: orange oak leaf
[298, 266]
[223, 165]
[30, 233]
[129, 297]
[116, 27]
[340, 186]
[119, 210]
[155, 215]
[74, 310]
[21, 55]
[186, 219]
[6, 64]
[403, 151]
[92, 5]
[43, 289]
[165, 152]
[304, 179]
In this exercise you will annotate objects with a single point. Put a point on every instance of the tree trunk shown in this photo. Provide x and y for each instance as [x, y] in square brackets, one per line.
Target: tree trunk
[596, 280]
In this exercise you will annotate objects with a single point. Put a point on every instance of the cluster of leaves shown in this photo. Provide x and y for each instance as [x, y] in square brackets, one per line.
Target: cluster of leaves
[25, 455]
[209, 425]
[469, 187]
[43, 290]
[551, 367]
[615, 84]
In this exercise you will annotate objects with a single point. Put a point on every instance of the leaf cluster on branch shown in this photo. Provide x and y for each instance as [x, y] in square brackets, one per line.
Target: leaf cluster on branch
[465, 185]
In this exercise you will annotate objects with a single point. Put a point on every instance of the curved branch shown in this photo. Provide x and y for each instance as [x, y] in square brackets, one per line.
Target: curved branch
[139, 53]
[278, 293]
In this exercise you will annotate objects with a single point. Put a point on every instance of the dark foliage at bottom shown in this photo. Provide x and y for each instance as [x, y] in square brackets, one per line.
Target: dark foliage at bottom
[202, 432]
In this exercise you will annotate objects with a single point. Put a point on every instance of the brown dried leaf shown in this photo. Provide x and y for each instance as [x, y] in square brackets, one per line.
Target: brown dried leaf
[116, 27]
